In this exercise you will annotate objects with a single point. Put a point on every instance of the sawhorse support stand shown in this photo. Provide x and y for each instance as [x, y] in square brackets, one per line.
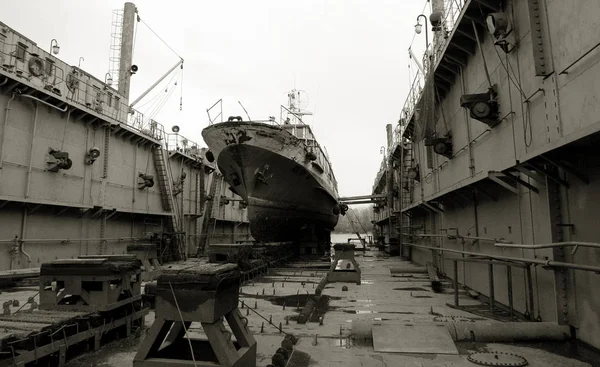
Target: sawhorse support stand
[348, 274]
[204, 293]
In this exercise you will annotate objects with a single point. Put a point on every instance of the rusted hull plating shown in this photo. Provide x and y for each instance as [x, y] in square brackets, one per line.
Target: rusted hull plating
[268, 168]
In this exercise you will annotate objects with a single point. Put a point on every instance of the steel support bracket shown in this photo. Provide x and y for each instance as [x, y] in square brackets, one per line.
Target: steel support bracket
[570, 169]
[518, 180]
[496, 177]
[432, 207]
[549, 174]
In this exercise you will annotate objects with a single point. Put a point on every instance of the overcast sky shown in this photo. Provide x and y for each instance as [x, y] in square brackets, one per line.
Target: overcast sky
[350, 56]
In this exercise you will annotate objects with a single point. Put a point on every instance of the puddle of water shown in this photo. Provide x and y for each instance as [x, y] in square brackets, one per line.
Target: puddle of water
[363, 282]
[363, 312]
[410, 289]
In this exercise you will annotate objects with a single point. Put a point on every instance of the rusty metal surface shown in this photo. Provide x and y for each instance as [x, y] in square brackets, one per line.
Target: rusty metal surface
[413, 339]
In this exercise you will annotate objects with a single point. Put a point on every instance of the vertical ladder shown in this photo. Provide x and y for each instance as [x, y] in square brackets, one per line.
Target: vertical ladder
[171, 205]
[116, 34]
[406, 188]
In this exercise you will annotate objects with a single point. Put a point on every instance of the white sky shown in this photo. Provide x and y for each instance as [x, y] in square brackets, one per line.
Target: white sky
[350, 56]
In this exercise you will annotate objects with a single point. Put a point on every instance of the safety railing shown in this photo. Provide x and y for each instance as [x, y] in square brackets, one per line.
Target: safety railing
[452, 11]
[75, 86]
[179, 143]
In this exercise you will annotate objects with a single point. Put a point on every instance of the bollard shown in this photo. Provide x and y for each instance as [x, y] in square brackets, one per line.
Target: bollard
[273, 291]
[315, 341]
[278, 360]
[288, 344]
[243, 304]
[280, 330]
[240, 290]
[273, 285]
[248, 311]
[283, 352]
[262, 327]
[263, 292]
[282, 284]
[270, 319]
[287, 320]
[284, 306]
[255, 305]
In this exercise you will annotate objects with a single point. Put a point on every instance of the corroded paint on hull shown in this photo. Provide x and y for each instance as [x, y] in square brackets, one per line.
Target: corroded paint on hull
[269, 169]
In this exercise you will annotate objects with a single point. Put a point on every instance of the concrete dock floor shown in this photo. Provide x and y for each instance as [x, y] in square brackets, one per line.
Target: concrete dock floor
[383, 297]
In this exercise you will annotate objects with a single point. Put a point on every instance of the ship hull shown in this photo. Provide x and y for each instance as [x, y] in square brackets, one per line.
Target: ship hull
[286, 200]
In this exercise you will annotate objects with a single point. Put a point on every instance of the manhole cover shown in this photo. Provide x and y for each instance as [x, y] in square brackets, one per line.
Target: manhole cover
[497, 359]
[452, 319]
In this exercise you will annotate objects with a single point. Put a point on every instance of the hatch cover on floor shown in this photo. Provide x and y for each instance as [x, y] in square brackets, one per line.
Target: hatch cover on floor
[413, 339]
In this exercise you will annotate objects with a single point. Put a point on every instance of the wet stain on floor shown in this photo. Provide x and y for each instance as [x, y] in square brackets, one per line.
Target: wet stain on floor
[361, 312]
[411, 289]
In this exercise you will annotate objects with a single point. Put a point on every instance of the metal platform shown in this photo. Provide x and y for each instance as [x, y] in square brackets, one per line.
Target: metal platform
[90, 283]
[81, 300]
[45, 337]
[344, 267]
[204, 293]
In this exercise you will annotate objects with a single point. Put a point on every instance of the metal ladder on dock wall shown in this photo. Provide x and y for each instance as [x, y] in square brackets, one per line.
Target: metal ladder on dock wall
[170, 204]
[406, 188]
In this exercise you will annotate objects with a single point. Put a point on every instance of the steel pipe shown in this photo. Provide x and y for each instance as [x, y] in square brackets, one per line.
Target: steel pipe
[67, 240]
[551, 245]
[44, 102]
[507, 331]
[499, 241]
[4, 124]
[544, 263]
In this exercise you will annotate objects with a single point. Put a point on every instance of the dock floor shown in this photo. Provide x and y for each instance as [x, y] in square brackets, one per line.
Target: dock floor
[383, 298]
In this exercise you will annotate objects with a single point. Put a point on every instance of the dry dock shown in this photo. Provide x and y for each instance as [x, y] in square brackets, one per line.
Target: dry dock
[392, 319]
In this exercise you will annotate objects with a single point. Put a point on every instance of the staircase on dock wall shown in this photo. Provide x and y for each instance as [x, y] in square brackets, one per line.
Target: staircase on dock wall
[165, 183]
[401, 222]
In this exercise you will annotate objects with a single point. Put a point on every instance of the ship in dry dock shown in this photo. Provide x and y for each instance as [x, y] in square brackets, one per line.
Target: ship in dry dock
[282, 173]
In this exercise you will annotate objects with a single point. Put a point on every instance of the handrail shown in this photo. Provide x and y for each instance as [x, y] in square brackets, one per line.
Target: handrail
[499, 241]
[551, 245]
[211, 120]
[544, 263]
[293, 113]
[44, 102]
[67, 240]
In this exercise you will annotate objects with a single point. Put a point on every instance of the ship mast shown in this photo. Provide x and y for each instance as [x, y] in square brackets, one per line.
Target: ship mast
[295, 112]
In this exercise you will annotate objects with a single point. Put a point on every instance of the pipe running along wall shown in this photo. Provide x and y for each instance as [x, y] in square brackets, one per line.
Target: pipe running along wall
[544, 263]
